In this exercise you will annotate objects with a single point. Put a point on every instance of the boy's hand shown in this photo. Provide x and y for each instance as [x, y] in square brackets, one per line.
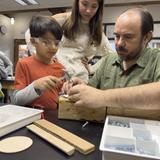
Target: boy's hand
[48, 82]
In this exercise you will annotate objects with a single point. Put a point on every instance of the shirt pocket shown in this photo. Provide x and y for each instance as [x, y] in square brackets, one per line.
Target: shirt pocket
[107, 81]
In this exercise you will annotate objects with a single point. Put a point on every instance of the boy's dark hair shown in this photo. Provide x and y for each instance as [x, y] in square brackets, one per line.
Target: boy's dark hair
[39, 25]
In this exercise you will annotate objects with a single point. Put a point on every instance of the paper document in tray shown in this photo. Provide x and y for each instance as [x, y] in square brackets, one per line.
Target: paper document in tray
[13, 117]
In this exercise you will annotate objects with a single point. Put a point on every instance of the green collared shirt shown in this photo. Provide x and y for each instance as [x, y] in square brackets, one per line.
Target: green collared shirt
[112, 75]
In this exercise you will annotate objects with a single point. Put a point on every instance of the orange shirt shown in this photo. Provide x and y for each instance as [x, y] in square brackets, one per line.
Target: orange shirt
[30, 69]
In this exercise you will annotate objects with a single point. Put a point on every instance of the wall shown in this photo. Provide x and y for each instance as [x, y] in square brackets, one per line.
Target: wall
[22, 21]
[15, 31]
[111, 13]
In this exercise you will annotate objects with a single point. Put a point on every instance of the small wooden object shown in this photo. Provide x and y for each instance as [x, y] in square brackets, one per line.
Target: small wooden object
[66, 110]
[15, 144]
[81, 145]
[62, 145]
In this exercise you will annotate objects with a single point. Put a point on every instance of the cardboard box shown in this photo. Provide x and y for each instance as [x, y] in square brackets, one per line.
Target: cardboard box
[66, 110]
[126, 138]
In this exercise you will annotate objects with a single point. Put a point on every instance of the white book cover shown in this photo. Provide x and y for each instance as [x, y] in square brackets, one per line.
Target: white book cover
[13, 117]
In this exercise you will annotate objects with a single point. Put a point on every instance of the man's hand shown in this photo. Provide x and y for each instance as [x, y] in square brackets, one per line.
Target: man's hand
[72, 82]
[86, 96]
[47, 83]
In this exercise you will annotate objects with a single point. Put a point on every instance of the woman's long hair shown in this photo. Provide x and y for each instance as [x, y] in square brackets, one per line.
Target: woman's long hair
[70, 27]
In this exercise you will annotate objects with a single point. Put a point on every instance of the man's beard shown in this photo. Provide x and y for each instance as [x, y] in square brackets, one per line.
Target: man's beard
[130, 56]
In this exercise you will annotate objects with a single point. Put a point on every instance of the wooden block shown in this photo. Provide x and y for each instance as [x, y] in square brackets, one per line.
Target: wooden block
[66, 110]
[62, 145]
[81, 145]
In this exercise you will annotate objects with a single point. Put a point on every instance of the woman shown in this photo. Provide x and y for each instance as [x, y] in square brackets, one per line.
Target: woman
[83, 37]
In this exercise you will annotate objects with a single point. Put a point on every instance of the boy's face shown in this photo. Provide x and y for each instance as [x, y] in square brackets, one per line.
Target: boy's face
[46, 47]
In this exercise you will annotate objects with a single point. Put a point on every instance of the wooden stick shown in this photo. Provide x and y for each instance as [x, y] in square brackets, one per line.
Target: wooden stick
[81, 145]
[64, 146]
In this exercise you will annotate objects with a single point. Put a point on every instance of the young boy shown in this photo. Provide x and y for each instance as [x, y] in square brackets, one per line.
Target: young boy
[38, 77]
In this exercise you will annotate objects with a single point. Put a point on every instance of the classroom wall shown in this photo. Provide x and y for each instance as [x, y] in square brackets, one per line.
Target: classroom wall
[22, 21]
[111, 13]
[15, 31]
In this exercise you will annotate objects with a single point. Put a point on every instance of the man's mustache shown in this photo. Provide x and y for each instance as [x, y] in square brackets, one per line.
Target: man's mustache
[121, 49]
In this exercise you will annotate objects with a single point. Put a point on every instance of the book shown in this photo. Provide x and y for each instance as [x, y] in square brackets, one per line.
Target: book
[13, 117]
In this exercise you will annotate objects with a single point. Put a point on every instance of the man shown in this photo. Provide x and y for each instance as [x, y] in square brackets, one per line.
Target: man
[123, 77]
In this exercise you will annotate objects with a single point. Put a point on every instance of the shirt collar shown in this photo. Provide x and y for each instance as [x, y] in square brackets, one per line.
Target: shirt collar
[141, 61]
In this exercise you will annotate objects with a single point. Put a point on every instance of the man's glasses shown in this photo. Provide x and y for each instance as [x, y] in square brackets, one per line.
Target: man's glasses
[47, 42]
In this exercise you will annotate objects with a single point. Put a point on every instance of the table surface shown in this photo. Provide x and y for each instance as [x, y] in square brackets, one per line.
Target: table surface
[42, 150]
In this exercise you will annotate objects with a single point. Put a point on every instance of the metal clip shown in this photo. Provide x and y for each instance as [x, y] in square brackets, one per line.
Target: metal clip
[84, 125]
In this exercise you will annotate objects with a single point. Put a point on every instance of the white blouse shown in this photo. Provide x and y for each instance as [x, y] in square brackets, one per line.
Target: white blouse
[70, 52]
